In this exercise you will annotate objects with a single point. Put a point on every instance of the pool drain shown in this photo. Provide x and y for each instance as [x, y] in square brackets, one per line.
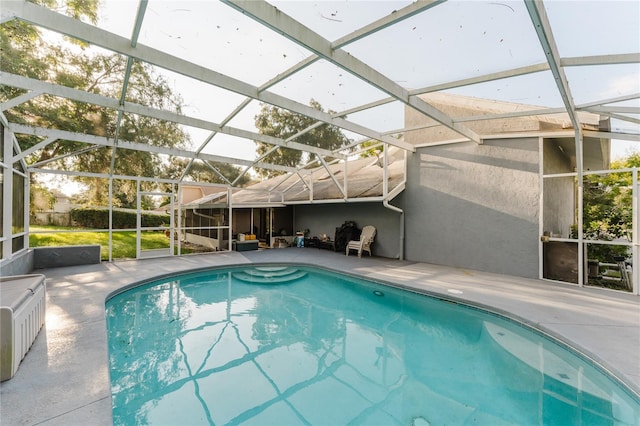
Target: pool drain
[378, 293]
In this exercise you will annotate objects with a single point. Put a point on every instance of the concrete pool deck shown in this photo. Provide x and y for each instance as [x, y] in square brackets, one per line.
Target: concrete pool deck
[64, 379]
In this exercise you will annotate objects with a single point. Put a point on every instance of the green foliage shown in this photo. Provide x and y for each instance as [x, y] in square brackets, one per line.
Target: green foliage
[25, 52]
[79, 8]
[40, 198]
[375, 148]
[607, 208]
[284, 124]
[22, 47]
[607, 212]
[98, 218]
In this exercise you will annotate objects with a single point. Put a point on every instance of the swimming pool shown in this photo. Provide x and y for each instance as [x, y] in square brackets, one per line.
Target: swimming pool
[278, 344]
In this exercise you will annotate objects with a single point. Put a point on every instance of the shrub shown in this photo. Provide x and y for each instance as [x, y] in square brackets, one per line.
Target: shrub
[98, 218]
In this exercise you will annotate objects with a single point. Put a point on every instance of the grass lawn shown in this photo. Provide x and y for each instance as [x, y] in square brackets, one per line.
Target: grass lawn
[124, 242]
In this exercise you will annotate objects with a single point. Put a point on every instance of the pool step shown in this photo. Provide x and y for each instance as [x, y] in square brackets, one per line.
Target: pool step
[270, 274]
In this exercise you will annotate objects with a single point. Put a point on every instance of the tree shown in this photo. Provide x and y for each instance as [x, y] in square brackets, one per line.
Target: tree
[41, 198]
[607, 212]
[373, 148]
[283, 124]
[26, 53]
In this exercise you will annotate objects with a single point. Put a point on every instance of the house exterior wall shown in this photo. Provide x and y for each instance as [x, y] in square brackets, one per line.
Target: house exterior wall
[190, 193]
[325, 218]
[474, 206]
[559, 192]
[62, 205]
[193, 192]
[51, 218]
[59, 215]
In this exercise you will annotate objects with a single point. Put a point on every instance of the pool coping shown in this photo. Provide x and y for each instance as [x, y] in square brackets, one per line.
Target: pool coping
[65, 374]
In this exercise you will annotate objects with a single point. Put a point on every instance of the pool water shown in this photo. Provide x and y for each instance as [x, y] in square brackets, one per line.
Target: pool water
[285, 345]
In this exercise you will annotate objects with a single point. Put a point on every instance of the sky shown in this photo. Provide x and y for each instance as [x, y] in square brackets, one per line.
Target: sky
[469, 37]
[454, 40]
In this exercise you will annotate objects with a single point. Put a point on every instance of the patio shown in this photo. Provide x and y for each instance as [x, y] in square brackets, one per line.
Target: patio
[64, 378]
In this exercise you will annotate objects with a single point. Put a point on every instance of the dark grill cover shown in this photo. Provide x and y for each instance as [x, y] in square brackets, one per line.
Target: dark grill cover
[345, 233]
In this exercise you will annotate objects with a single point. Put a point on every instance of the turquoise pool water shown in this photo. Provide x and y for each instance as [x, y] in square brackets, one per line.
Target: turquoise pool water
[284, 345]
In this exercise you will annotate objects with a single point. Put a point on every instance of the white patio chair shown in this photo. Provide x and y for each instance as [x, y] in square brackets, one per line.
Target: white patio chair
[364, 243]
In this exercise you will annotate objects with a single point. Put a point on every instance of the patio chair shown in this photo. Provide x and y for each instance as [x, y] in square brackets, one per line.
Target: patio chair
[364, 243]
[625, 273]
